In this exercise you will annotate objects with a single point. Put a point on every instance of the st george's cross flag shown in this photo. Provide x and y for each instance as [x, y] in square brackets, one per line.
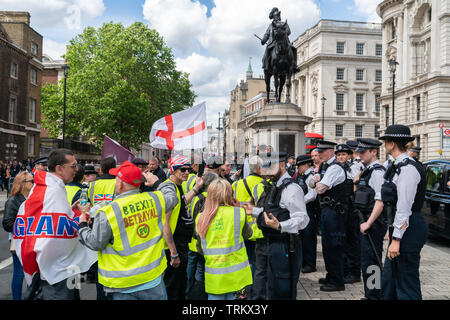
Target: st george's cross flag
[45, 233]
[182, 130]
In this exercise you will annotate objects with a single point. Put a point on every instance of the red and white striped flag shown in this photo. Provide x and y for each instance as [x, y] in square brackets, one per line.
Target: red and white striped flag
[182, 130]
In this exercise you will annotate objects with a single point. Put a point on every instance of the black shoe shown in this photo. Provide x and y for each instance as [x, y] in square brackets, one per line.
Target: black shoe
[323, 281]
[308, 269]
[363, 299]
[328, 287]
[351, 279]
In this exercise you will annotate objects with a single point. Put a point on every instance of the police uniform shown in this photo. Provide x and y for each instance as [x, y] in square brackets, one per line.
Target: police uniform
[368, 190]
[128, 233]
[403, 194]
[285, 200]
[309, 239]
[416, 150]
[356, 165]
[334, 203]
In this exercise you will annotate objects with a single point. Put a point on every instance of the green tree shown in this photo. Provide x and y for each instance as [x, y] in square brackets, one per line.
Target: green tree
[121, 80]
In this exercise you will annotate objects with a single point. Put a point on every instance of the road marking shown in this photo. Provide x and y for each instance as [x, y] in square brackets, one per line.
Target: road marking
[5, 263]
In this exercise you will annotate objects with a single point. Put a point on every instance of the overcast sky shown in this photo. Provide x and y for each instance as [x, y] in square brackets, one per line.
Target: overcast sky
[212, 40]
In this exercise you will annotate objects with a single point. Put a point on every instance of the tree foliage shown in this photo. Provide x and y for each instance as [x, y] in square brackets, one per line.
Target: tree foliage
[120, 81]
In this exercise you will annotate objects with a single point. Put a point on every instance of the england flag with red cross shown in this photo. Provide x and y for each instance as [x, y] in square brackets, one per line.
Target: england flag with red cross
[182, 130]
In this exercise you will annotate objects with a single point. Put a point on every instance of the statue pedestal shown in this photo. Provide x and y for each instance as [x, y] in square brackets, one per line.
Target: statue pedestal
[280, 126]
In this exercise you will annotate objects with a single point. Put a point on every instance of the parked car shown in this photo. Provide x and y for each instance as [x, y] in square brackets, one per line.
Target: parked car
[436, 209]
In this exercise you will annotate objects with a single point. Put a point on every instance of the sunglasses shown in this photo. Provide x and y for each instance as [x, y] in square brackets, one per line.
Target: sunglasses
[184, 169]
[73, 166]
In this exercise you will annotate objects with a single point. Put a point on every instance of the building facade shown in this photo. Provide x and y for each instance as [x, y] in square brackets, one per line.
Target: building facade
[341, 62]
[416, 33]
[20, 86]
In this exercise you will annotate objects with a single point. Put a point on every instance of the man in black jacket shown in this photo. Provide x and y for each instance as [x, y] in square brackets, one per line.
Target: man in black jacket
[154, 168]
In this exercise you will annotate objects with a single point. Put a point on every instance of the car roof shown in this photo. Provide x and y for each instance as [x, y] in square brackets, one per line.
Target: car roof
[439, 161]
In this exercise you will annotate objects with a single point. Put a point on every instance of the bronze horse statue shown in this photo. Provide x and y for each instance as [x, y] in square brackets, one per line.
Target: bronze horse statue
[281, 62]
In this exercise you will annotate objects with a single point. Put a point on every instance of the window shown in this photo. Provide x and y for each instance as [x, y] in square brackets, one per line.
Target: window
[339, 102]
[378, 50]
[12, 110]
[377, 104]
[31, 145]
[34, 48]
[387, 115]
[434, 178]
[340, 74]
[339, 130]
[360, 49]
[378, 75]
[14, 70]
[429, 15]
[359, 74]
[376, 133]
[359, 101]
[358, 131]
[418, 107]
[393, 32]
[340, 47]
[32, 117]
[33, 76]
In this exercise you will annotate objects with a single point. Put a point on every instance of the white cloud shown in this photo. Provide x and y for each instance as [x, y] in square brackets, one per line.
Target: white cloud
[368, 8]
[201, 69]
[54, 49]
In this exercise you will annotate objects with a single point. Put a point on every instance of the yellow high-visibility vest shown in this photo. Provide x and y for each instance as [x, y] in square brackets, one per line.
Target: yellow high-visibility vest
[102, 190]
[71, 192]
[187, 186]
[241, 194]
[137, 255]
[227, 268]
[193, 244]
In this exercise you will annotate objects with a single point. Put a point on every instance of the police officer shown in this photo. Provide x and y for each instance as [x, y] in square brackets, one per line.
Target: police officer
[403, 194]
[282, 217]
[305, 172]
[103, 189]
[248, 190]
[414, 153]
[355, 164]
[40, 164]
[352, 258]
[130, 262]
[333, 191]
[369, 207]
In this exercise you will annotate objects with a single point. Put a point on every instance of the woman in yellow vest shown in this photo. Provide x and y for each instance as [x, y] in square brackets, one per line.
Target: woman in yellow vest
[222, 230]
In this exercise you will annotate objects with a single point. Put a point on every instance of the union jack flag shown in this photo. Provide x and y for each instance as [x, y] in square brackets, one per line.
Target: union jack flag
[102, 197]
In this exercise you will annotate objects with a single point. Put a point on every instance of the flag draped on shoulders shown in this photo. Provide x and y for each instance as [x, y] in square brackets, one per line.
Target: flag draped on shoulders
[45, 233]
[182, 130]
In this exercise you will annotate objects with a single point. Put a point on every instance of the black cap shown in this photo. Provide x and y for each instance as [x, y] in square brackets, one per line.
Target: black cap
[137, 161]
[324, 145]
[353, 144]
[214, 162]
[43, 160]
[271, 158]
[366, 144]
[416, 149]
[303, 159]
[88, 169]
[343, 148]
[397, 132]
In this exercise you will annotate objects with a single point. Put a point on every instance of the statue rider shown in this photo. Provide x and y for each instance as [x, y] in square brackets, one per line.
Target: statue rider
[275, 16]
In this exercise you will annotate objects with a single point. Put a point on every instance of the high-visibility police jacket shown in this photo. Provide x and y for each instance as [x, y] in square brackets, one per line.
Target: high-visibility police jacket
[242, 195]
[227, 268]
[101, 190]
[72, 190]
[137, 255]
[200, 197]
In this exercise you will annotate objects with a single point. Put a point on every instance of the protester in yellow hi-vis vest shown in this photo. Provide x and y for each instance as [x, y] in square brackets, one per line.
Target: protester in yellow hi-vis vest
[129, 234]
[248, 190]
[103, 189]
[222, 229]
[74, 188]
[195, 288]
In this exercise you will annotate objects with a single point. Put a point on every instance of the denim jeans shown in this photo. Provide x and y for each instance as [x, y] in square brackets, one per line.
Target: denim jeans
[224, 296]
[195, 269]
[156, 293]
[17, 279]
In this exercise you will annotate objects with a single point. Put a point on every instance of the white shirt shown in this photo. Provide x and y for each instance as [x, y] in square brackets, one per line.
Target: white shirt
[356, 167]
[376, 180]
[312, 193]
[292, 199]
[406, 183]
[334, 175]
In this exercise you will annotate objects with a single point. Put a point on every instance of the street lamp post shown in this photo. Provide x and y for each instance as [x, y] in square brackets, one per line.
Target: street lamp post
[323, 99]
[66, 73]
[393, 65]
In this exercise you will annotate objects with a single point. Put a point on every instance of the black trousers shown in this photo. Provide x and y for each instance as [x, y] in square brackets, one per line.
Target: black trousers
[62, 290]
[176, 278]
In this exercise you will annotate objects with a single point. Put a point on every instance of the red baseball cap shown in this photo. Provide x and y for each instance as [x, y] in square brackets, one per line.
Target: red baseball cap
[128, 173]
